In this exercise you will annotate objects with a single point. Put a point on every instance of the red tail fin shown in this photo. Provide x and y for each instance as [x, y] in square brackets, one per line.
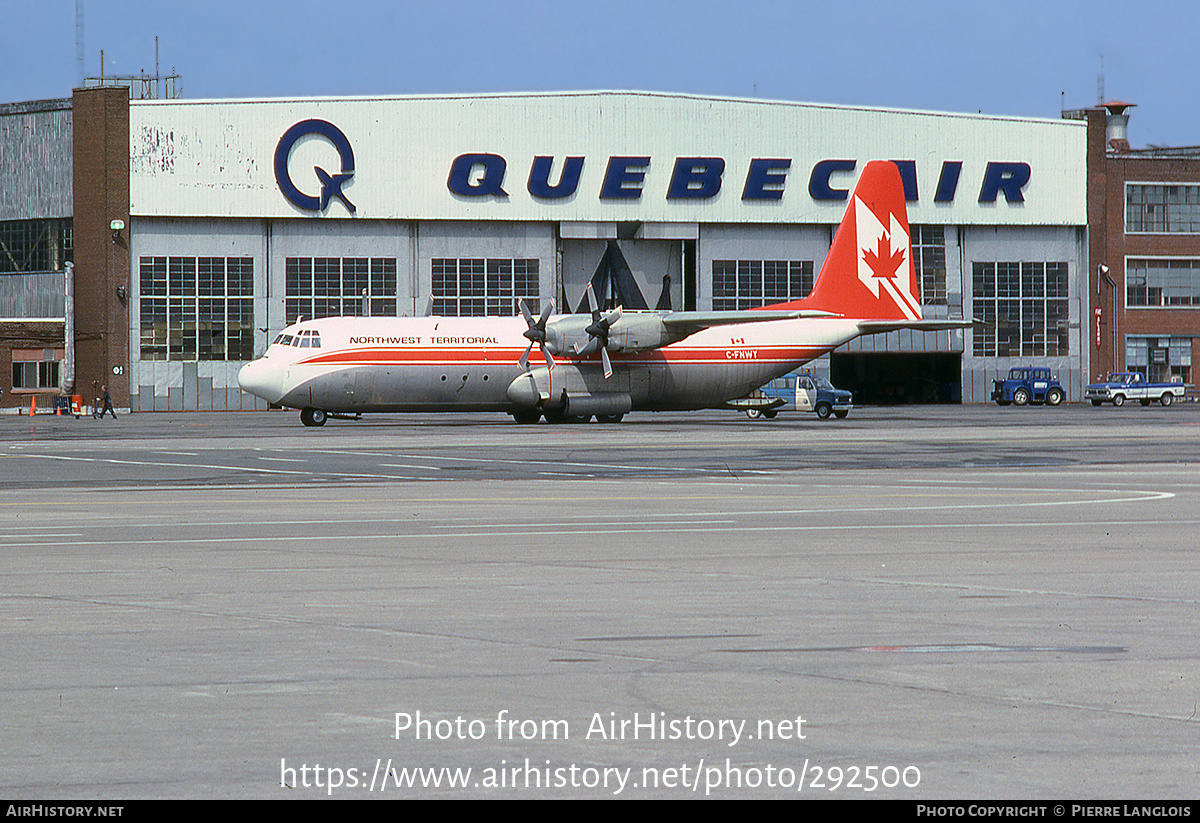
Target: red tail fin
[869, 272]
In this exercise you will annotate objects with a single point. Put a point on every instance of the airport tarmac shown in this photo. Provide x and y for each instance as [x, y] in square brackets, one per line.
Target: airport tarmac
[917, 602]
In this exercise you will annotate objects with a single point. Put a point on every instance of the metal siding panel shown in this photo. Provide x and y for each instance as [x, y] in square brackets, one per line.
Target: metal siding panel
[215, 158]
[190, 387]
[204, 400]
[36, 171]
[32, 295]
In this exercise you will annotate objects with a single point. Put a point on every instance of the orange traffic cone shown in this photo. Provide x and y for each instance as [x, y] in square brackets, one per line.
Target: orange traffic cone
[32, 406]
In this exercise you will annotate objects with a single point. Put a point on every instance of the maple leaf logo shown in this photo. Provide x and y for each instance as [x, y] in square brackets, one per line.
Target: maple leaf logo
[883, 262]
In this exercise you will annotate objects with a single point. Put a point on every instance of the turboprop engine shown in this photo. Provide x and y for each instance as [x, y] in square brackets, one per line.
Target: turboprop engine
[614, 331]
[576, 335]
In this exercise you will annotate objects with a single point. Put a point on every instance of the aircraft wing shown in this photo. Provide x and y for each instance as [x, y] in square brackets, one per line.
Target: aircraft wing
[877, 326]
[634, 331]
[690, 322]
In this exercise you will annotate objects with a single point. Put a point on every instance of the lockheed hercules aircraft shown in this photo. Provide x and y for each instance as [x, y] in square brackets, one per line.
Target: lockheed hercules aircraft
[609, 362]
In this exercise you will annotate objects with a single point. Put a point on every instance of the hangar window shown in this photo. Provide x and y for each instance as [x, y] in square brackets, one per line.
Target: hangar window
[196, 308]
[1170, 283]
[34, 245]
[339, 287]
[929, 259]
[1024, 309]
[477, 287]
[748, 284]
[1162, 209]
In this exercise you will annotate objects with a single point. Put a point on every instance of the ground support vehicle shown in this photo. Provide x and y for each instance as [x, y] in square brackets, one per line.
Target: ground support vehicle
[1130, 385]
[1028, 384]
[798, 391]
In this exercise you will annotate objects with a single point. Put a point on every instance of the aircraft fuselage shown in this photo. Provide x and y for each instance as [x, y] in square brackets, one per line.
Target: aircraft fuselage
[441, 364]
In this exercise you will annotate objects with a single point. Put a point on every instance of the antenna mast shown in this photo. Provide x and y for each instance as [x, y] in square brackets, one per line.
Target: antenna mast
[79, 38]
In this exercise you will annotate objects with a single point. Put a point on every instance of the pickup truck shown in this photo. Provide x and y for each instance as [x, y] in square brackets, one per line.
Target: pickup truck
[1131, 385]
[802, 391]
[1028, 384]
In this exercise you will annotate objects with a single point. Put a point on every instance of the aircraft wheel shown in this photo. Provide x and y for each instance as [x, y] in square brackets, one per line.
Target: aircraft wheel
[609, 418]
[312, 417]
[527, 416]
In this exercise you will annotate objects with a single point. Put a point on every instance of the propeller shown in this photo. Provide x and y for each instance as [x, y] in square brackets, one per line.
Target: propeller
[536, 333]
[598, 330]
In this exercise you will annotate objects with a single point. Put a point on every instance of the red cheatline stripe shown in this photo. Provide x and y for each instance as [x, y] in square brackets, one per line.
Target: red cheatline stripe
[464, 357]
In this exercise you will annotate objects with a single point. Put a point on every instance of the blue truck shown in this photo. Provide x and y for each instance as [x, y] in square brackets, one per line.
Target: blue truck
[1028, 384]
[1131, 385]
[797, 391]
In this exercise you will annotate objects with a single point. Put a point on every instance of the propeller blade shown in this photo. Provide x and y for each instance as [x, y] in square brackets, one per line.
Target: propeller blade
[598, 329]
[536, 333]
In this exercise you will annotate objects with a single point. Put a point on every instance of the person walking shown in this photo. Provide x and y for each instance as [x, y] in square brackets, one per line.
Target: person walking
[107, 404]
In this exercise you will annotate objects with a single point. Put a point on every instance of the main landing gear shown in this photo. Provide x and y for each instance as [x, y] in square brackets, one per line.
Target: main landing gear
[317, 417]
[313, 417]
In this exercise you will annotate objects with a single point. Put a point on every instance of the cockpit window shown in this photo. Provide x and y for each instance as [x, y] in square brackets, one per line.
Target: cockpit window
[285, 339]
[306, 339]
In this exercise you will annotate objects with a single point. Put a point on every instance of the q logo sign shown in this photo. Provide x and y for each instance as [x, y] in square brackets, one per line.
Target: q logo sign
[331, 184]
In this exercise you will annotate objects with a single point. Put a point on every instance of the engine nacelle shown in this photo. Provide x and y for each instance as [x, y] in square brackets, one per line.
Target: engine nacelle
[639, 331]
[629, 332]
[568, 335]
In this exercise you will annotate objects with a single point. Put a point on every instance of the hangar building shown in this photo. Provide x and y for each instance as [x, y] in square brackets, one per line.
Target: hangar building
[199, 228]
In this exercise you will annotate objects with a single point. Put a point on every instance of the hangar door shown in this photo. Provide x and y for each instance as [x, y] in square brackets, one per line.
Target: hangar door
[893, 378]
[636, 274]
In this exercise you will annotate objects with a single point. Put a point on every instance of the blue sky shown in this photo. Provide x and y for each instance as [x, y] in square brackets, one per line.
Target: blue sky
[1026, 58]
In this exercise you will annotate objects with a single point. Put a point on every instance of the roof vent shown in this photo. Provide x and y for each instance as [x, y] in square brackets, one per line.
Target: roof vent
[1117, 129]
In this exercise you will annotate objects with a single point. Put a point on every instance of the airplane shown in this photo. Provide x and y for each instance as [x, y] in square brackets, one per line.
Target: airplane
[608, 363]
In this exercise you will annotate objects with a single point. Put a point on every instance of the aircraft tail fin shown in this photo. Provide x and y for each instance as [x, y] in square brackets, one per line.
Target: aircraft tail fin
[868, 273]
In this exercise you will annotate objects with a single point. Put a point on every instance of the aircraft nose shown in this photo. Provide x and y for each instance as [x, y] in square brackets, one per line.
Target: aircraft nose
[260, 378]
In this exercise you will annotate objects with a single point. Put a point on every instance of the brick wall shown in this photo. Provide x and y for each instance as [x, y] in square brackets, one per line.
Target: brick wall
[101, 195]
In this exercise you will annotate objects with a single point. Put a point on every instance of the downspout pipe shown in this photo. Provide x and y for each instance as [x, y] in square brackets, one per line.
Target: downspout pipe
[67, 379]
